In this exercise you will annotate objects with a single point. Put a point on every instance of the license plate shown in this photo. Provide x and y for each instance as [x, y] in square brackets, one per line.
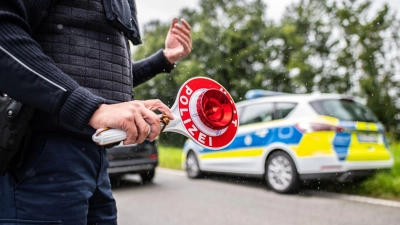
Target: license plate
[370, 138]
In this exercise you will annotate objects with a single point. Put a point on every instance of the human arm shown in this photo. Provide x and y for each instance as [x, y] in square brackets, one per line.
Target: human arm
[31, 77]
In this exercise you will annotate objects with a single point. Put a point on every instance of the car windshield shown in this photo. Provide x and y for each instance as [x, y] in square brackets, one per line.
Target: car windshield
[344, 109]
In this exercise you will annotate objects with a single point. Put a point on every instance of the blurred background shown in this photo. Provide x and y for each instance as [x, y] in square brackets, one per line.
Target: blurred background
[347, 47]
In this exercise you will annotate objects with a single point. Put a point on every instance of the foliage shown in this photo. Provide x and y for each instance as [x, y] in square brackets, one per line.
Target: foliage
[318, 45]
[343, 47]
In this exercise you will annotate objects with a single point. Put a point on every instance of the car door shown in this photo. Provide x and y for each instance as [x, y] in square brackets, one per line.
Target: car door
[244, 153]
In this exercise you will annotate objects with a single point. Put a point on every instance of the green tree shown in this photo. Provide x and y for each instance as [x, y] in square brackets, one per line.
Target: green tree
[229, 46]
[344, 47]
[371, 55]
[318, 45]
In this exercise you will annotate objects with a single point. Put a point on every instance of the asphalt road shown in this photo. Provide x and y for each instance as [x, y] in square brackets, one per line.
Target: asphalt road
[173, 199]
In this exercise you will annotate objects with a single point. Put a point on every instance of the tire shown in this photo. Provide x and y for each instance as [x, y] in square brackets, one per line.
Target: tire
[281, 173]
[192, 166]
[148, 176]
[115, 180]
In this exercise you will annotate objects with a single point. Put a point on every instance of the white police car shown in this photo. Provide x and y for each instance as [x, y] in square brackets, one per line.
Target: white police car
[286, 138]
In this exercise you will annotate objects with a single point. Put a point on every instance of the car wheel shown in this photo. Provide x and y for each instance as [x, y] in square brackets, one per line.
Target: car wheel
[115, 180]
[192, 166]
[281, 173]
[147, 176]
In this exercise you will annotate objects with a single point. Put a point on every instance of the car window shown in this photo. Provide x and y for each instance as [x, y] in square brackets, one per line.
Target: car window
[344, 109]
[257, 113]
[283, 109]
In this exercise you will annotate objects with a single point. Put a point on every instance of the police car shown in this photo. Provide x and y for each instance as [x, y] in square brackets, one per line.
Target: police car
[288, 138]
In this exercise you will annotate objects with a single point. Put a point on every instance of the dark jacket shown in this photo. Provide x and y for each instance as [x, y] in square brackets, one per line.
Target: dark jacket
[31, 77]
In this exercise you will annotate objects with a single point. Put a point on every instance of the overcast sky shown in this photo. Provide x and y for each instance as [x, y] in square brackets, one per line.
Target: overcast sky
[165, 10]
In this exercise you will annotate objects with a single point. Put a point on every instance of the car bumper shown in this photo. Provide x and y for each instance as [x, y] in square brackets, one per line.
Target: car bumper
[339, 176]
[328, 166]
[133, 166]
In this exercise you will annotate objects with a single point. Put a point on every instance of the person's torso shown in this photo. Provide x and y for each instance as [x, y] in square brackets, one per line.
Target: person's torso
[87, 47]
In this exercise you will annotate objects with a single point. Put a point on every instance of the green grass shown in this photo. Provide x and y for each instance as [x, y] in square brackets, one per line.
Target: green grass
[169, 157]
[382, 185]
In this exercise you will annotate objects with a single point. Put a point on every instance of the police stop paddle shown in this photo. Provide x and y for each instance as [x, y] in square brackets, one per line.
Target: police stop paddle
[203, 111]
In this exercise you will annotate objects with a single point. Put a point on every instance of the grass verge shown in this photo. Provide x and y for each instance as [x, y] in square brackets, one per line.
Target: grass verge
[384, 185]
[169, 157]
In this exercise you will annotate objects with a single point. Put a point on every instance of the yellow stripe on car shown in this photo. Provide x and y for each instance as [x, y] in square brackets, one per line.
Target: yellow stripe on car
[317, 143]
[366, 126]
[232, 154]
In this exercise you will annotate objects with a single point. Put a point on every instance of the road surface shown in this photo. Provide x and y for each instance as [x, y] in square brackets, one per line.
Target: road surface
[173, 199]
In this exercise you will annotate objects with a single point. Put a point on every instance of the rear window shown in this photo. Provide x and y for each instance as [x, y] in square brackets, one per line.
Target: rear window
[344, 109]
[283, 109]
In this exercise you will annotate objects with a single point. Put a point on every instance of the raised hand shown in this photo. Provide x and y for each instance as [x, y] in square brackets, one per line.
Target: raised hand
[178, 43]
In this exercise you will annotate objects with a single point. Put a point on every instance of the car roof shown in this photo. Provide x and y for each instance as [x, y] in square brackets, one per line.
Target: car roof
[297, 98]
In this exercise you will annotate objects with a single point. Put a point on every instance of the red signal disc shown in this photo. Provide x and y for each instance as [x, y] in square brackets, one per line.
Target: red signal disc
[214, 109]
[211, 120]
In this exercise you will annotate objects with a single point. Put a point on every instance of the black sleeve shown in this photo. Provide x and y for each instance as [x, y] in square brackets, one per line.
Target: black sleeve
[29, 76]
[148, 68]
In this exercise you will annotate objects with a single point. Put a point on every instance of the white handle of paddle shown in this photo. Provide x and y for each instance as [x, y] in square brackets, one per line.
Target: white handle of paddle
[106, 136]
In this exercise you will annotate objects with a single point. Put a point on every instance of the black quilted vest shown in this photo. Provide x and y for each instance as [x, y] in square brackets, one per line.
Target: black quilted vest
[87, 47]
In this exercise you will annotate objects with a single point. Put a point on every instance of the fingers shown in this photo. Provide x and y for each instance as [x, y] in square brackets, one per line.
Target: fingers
[184, 27]
[137, 131]
[182, 32]
[187, 46]
[186, 24]
[156, 104]
[174, 21]
[133, 117]
[139, 128]
[155, 124]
